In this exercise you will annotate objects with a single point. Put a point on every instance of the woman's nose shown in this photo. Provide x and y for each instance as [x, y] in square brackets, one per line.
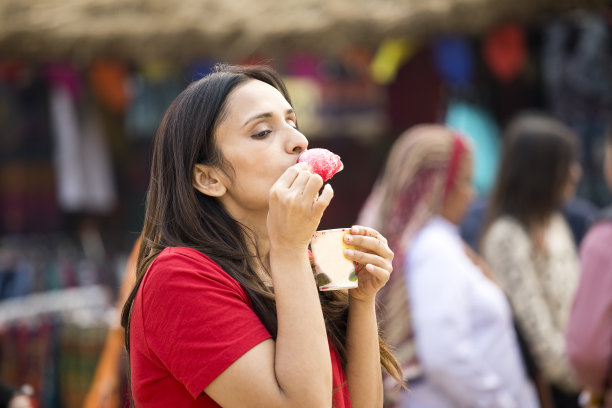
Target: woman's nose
[297, 142]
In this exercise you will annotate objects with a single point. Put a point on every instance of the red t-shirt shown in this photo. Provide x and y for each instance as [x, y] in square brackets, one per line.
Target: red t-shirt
[190, 321]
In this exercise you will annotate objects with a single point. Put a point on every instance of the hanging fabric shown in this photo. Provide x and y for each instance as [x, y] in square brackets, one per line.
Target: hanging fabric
[83, 164]
[109, 82]
[478, 126]
[504, 51]
[454, 60]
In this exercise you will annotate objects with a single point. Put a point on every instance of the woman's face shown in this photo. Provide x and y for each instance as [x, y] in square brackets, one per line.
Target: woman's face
[258, 137]
[461, 194]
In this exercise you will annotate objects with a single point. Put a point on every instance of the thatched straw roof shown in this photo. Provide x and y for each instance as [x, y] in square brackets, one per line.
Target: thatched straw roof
[225, 28]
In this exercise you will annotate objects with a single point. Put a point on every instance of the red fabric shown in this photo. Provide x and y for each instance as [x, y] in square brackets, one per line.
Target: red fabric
[459, 149]
[340, 397]
[174, 359]
[504, 51]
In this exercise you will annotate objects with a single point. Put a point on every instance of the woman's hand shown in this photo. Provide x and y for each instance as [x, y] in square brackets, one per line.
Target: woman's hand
[296, 207]
[374, 261]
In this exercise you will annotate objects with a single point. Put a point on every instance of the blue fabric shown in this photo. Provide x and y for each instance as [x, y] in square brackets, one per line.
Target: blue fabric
[579, 214]
[473, 222]
[480, 127]
[199, 69]
[454, 60]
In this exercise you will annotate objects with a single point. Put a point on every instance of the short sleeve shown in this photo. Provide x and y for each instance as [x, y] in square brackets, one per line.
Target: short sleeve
[196, 319]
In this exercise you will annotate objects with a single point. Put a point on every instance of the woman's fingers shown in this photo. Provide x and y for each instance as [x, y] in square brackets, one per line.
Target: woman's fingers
[366, 258]
[300, 182]
[378, 273]
[323, 200]
[311, 189]
[369, 232]
[289, 176]
[295, 203]
[374, 244]
[371, 251]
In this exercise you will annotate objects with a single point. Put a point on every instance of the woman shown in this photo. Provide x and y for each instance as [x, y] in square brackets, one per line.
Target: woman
[529, 246]
[589, 330]
[225, 311]
[451, 324]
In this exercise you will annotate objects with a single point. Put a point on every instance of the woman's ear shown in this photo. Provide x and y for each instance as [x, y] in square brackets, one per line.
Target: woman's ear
[207, 180]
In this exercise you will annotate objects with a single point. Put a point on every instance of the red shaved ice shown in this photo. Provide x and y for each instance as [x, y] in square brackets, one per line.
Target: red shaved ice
[322, 162]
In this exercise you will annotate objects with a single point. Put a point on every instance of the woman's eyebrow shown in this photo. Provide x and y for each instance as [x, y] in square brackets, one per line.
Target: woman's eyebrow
[289, 111]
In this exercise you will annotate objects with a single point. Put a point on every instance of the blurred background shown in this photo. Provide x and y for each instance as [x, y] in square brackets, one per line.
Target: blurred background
[84, 83]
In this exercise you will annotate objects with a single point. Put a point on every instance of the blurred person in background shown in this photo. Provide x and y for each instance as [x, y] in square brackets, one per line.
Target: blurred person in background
[12, 397]
[529, 247]
[450, 324]
[589, 331]
[106, 390]
[225, 310]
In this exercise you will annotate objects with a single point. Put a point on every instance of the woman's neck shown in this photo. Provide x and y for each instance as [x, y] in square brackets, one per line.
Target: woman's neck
[258, 244]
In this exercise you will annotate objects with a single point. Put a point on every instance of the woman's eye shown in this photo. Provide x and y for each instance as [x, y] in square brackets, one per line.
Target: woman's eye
[292, 123]
[261, 135]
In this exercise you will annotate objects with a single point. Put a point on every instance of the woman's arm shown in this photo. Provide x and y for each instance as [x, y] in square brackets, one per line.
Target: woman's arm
[295, 370]
[589, 331]
[363, 369]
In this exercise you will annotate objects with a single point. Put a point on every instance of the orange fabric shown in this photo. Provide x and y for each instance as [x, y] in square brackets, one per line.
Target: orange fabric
[108, 79]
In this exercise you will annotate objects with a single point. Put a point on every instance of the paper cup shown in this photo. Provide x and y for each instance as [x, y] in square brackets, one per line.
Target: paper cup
[333, 271]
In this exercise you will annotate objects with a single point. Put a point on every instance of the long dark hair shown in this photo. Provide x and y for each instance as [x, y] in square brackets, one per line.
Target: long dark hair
[178, 215]
[535, 168]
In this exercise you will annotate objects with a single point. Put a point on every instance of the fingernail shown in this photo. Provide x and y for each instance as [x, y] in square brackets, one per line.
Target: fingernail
[349, 252]
[348, 238]
[370, 267]
[355, 229]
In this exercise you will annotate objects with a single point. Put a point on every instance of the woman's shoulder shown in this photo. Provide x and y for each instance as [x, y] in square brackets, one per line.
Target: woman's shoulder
[188, 264]
[435, 233]
[184, 256]
[183, 253]
[505, 227]
[435, 238]
[505, 235]
[598, 239]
